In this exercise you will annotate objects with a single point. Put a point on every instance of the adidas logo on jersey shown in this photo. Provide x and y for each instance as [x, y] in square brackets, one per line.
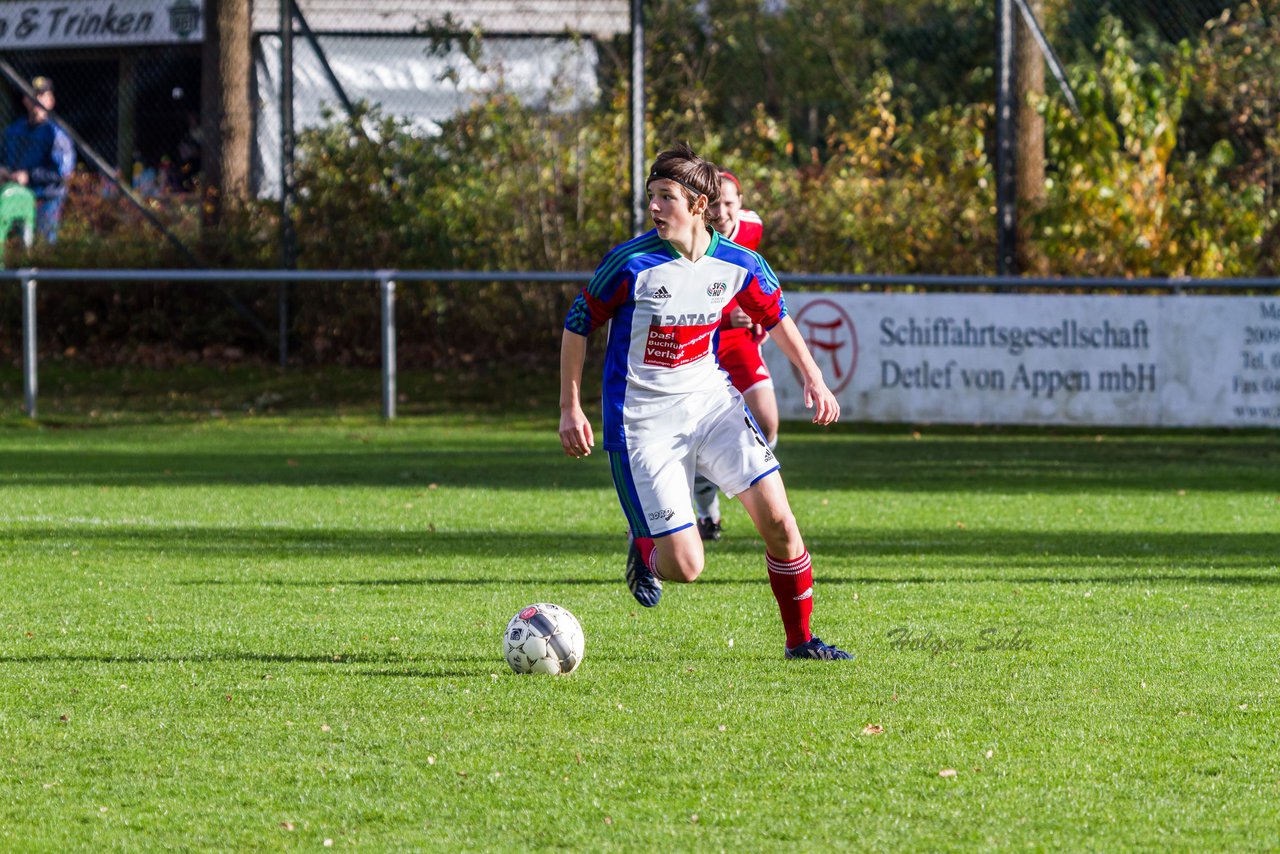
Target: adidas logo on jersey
[662, 293]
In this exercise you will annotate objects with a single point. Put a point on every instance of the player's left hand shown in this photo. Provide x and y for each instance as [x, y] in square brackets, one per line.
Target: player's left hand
[826, 409]
[738, 318]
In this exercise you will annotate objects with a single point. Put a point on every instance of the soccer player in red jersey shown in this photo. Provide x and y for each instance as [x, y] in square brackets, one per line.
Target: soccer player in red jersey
[738, 347]
[668, 411]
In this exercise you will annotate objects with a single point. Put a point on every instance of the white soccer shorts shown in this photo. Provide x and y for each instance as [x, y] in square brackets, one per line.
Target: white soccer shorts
[654, 480]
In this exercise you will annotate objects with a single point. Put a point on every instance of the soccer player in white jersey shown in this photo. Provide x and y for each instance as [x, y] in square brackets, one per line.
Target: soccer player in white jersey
[668, 410]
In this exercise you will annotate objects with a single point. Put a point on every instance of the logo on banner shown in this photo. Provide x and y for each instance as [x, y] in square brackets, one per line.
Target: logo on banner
[94, 23]
[832, 339]
[184, 18]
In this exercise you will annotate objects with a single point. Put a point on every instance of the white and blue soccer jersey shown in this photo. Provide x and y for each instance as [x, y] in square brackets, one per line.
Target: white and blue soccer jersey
[663, 311]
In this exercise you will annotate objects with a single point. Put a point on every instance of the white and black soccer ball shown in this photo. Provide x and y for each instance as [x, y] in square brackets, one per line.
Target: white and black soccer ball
[543, 638]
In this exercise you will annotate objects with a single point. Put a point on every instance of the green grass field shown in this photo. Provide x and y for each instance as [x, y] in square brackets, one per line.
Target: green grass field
[226, 627]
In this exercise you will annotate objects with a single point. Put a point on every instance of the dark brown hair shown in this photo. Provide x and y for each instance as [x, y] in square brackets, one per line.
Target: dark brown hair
[697, 177]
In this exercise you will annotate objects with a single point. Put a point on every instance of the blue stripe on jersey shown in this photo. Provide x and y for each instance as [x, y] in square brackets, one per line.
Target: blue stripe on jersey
[768, 279]
[728, 250]
[602, 284]
[620, 468]
[616, 353]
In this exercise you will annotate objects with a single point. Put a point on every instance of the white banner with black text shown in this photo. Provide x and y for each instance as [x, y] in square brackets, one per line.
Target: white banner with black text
[1040, 359]
[99, 23]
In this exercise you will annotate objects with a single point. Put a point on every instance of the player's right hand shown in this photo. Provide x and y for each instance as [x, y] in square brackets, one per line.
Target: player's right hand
[575, 433]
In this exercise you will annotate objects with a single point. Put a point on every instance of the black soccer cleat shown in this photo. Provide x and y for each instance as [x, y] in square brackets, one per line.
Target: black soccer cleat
[816, 649]
[708, 530]
[643, 584]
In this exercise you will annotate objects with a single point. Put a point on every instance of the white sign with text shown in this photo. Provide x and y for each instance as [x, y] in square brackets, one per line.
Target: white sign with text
[1015, 359]
[100, 23]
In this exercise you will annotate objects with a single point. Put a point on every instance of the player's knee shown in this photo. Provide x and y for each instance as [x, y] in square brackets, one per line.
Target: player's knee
[684, 569]
[680, 558]
[779, 527]
[688, 571]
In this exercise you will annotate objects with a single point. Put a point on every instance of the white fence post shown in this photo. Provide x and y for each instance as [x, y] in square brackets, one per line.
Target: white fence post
[388, 287]
[29, 385]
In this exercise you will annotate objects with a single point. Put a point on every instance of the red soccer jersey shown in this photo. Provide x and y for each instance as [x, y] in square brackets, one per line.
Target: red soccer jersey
[747, 233]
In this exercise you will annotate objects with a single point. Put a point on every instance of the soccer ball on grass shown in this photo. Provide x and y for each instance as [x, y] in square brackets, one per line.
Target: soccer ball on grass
[543, 638]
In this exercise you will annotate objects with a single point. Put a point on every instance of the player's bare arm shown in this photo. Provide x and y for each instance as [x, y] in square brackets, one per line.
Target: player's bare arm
[826, 409]
[575, 430]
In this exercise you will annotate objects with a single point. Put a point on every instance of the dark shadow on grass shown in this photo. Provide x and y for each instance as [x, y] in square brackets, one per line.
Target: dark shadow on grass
[528, 460]
[483, 466]
[440, 667]
[428, 673]
[1211, 579]
[344, 661]
[1248, 579]
[1260, 551]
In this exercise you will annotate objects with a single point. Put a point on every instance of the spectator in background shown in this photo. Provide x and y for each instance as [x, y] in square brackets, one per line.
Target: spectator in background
[39, 155]
[187, 175]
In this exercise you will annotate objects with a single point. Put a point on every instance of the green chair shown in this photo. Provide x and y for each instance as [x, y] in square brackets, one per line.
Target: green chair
[17, 210]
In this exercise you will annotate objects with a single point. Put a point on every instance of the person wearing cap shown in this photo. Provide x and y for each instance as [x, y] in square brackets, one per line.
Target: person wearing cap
[39, 155]
[669, 411]
[738, 345]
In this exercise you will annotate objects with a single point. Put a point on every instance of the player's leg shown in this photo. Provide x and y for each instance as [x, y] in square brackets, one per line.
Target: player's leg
[706, 495]
[739, 357]
[733, 452]
[766, 503]
[706, 506]
[789, 566]
[652, 483]
[678, 557]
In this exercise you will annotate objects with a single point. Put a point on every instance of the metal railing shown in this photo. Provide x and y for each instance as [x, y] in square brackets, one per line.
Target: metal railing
[386, 281]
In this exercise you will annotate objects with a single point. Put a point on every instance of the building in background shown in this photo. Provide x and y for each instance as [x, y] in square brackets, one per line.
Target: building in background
[128, 72]
[421, 59]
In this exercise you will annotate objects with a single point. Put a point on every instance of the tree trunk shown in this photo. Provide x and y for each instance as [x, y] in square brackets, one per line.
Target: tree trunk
[227, 122]
[1030, 142]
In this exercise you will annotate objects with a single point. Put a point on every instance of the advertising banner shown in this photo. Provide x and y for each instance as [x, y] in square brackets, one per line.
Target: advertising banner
[99, 23]
[1040, 359]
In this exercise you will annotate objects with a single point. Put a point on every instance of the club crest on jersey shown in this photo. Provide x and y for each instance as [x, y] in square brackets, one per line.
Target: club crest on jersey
[717, 289]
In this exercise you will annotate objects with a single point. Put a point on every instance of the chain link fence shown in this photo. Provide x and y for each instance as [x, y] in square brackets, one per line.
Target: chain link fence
[428, 61]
